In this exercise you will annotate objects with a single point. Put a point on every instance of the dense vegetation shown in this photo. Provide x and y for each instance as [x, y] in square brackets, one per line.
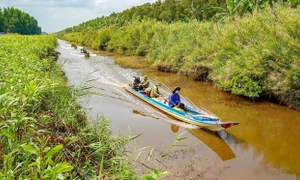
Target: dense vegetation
[253, 56]
[43, 132]
[13, 20]
[181, 10]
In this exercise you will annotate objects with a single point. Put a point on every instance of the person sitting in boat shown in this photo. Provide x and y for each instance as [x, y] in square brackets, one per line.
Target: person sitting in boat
[143, 85]
[84, 50]
[148, 91]
[174, 99]
[155, 92]
[136, 82]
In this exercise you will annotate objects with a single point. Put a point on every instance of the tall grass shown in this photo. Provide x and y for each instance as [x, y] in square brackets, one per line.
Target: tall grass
[254, 55]
[44, 133]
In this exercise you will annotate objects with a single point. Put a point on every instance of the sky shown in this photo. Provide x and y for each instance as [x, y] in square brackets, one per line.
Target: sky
[56, 15]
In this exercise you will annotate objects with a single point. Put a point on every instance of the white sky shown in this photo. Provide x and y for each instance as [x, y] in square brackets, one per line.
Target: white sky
[56, 15]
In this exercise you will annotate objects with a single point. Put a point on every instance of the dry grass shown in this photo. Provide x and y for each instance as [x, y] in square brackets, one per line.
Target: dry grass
[132, 62]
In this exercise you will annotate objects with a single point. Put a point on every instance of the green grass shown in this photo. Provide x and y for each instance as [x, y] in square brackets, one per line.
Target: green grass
[255, 56]
[44, 133]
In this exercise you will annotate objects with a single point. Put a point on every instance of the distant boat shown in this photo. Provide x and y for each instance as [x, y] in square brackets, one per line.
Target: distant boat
[191, 115]
[74, 46]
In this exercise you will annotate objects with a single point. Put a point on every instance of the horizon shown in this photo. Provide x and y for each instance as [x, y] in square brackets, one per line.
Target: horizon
[57, 15]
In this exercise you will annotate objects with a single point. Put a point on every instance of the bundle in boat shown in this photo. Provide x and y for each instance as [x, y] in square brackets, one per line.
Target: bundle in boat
[86, 55]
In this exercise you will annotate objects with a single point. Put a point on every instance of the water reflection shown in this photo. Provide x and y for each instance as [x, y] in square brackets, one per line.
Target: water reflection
[213, 140]
[174, 128]
[268, 135]
[270, 130]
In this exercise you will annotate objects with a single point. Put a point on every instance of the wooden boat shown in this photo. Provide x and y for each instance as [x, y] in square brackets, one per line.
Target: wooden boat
[191, 115]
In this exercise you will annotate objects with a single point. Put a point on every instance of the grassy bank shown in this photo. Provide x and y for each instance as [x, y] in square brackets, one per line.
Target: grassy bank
[44, 133]
[254, 56]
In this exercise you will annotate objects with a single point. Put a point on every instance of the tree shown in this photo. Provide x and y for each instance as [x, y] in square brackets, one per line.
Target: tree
[1, 21]
[13, 20]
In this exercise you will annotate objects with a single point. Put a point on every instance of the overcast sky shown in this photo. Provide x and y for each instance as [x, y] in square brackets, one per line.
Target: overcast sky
[56, 15]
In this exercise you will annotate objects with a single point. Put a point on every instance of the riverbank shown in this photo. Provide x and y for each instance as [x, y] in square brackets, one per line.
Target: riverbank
[253, 56]
[261, 141]
[44, 133]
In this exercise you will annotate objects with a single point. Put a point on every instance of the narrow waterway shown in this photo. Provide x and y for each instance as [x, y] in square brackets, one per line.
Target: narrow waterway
[264, 146]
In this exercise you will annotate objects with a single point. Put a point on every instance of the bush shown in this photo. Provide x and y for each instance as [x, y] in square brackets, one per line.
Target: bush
[253, 56]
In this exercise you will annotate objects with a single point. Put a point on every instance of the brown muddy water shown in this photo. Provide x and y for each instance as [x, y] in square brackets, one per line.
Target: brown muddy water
[265, 145]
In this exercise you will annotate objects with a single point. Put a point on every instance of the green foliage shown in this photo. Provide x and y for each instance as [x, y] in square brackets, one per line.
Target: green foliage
[41, 160]
[241, 84]
[171, 11]
[167, 11]
[13, 20]
[155, 175]
[44, 133]
[252, 56]
[22, 90]
[102, 39]
[132, 39]
[1, 21]
[236, 8]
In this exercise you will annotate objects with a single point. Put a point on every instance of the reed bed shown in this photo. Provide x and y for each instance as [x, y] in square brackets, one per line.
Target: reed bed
[44, 133]
[255, 56]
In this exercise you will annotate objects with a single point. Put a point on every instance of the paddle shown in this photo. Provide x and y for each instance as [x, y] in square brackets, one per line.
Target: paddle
[166, 86]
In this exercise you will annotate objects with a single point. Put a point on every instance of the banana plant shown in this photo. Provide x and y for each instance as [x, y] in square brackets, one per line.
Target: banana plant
[239, 8]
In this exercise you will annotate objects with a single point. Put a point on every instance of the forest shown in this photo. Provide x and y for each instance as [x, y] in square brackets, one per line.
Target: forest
[13, 20]
[171, 11]
[248, 48]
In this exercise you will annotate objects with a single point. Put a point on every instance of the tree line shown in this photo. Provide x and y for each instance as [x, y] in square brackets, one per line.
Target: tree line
[13, 20]
[170, 11]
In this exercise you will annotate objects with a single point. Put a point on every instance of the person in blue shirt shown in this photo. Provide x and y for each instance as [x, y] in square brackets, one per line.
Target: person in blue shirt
[174, 99]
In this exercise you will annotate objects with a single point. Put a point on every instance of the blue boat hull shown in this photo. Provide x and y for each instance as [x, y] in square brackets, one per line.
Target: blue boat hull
[192, 116]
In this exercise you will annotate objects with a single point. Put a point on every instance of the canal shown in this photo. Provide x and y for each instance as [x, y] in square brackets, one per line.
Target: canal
[265, 145]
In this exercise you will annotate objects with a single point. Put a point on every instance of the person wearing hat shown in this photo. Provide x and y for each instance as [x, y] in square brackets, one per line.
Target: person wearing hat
[155, 92]
[143, 85]
[174, 99]
[83, 50]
